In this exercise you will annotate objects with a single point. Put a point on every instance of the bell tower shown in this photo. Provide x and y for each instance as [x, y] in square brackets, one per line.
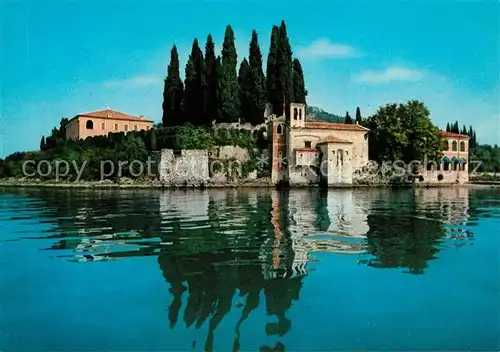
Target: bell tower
[297, 115]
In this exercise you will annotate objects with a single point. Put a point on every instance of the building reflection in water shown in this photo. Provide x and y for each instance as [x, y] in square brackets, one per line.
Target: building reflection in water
[215, 245]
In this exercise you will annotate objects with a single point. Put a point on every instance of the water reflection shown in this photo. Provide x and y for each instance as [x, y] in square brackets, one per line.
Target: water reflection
[215, 245]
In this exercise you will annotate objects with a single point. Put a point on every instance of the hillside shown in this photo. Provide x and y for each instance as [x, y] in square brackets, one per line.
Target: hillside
[317, 114]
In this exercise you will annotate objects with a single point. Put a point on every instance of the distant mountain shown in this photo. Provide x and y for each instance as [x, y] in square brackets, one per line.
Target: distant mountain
[317, 114]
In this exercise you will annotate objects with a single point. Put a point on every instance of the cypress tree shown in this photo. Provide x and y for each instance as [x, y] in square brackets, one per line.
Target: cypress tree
[359, 119]
[456, 129]
[284, 66]
[194, 84]
[348, 119]
[152, 139]
[257, 82]
[210, 97]
[245, 92]
[447, 127]
[273, 94]
[299, 89]
[229, 97]
[173, 93]
[464, 130]
[42, 143]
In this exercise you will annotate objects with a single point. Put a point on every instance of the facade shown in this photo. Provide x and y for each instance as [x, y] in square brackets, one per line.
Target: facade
[306, 152]
[454, 163]
[103, 122]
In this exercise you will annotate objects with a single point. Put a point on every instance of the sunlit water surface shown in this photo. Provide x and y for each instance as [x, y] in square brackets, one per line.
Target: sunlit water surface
[251, 270]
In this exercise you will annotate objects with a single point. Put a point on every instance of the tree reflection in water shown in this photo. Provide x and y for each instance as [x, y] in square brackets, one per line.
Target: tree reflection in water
[218, 244]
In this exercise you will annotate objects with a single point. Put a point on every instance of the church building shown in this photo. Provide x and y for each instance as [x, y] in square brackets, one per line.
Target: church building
[308, 152]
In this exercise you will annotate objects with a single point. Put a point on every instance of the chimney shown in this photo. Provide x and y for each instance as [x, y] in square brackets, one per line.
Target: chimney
[141, 117]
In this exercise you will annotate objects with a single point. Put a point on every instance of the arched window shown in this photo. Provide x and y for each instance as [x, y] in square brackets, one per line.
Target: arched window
[340, 157]
[89, 125]
[279, 129]
[295, 112]
[462, 146]
[300, 114]
[447, 144]
[454, 146]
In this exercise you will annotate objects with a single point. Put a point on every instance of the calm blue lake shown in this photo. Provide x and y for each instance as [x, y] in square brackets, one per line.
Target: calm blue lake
[249, 270]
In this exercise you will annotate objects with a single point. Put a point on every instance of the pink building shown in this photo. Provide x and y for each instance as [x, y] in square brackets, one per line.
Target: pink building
[102, 122]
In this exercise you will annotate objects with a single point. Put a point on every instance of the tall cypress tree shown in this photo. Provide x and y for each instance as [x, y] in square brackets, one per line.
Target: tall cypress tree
[173, 93]
[42, 143]
[229, 97]
[245, 91]
[464, 130]
[456, 129]
[348, 118]
[273, 94]
[284, 66]
[448, 127]
[257, 82]
[194, 84]
[210, 96]
[359, 119]
[299, 88]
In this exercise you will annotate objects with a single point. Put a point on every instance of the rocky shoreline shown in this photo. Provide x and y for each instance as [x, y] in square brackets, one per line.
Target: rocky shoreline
[257, 183]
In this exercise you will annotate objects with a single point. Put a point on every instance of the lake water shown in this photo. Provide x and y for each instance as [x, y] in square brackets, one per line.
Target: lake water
[249, 270]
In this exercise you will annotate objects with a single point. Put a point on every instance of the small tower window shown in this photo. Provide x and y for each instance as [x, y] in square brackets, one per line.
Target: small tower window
[279, 129]
[295, 113]
[300, 114]
[89, 125]
[462, 146]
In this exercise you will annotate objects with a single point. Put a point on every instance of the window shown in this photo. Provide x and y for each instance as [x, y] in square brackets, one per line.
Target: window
[116, 127]
[307, 144]
[126, 127]
[454, 146]
[300, 114]
[446, 166]
[279, 129]
[89, 125]
[462, 146]
[135, 127]
[295, 112]
[103, 126]
[447, 145]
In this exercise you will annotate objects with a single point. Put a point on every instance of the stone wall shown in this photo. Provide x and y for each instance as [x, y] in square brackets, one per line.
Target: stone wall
[441, 176]
[228, 152]
[190, 167]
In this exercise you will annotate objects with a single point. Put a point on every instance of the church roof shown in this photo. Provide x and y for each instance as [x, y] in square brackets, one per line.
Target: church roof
[332, 139]
[113, 115]
[453, 135]
[335, 126]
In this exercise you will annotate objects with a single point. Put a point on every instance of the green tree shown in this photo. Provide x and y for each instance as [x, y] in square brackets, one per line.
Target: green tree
[195, 86]
[456, 129]
[404, 132]
[173, 93]
[359, 119]
[42, 143]
[228, 81]
[244, 82]
[448, 127]
[210, 98]
[257, 83]
[299, 88]
[284, 66]
[273, 94]
[152, 139]
[348, 118]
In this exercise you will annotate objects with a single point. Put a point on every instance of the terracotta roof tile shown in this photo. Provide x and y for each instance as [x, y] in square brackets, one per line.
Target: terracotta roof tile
[306, 150]
[112, 114]
[335, 126]
[453, 135]
[332, 139]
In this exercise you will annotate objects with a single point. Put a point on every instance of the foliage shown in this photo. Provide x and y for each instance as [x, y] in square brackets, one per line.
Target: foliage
[256, 83]
[273, 94]
[316, 114]
[404, 132]
[195, 87]
[348, 118]
[210, 101]
[359, 119]
[173, 93]
[284, 66]
[299, 89]
[245, 91]
[228, 80]
[488, 155]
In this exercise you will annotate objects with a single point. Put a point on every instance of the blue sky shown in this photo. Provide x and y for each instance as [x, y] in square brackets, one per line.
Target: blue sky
[63, 57]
